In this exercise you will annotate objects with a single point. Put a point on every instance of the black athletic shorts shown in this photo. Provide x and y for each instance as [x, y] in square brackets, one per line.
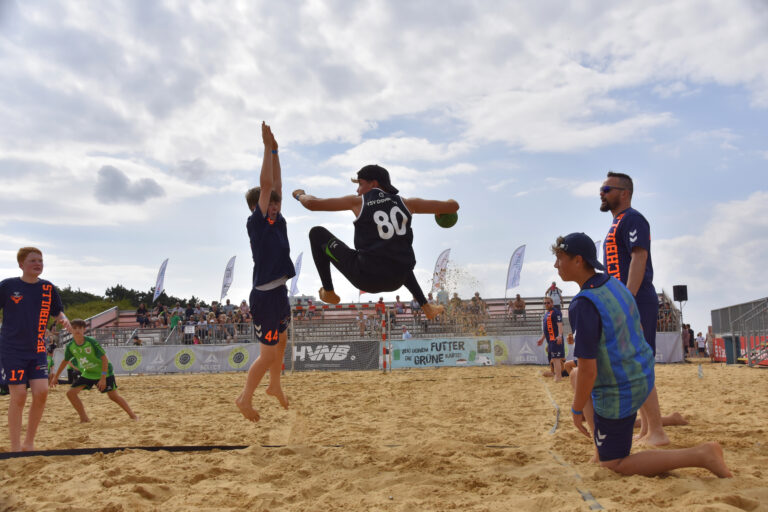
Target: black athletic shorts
[89, 383]
[271, 313]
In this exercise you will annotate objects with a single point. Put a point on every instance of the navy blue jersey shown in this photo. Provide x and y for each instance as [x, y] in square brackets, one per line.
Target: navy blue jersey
[269, 247]
[549, 324]
[585, 321]
[26, 309]
[629, 229]
[383, 228]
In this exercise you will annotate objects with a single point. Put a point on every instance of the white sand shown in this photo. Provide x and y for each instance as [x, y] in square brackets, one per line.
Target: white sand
[458, 438]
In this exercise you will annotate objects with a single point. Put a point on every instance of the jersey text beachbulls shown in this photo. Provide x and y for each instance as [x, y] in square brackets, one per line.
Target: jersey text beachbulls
[27, 308]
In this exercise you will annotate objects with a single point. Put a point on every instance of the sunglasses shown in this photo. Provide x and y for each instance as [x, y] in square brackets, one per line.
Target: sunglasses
[607, 188]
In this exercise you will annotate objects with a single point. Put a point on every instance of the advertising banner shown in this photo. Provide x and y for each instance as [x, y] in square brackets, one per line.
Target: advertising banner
[159, 284]
[515, 267]
[178, 358]
[442, 352]
[354, 355]
[669, 347]
[229, 273]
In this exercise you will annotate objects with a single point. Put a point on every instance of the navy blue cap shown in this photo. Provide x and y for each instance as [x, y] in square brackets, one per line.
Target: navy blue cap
[378, 173]
[580, 244]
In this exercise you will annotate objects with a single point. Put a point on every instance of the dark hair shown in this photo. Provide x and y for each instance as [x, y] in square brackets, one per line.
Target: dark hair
[625, 180]
[78, 322]
[253, 195]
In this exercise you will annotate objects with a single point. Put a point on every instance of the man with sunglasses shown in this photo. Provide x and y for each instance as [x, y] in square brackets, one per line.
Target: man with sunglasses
[627, 257]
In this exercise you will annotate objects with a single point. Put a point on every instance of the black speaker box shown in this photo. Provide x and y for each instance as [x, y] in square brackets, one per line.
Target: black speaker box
[680, 293]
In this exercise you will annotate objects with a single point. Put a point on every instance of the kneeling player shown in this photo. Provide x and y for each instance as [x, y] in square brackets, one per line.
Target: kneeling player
[95, 370]
[616, 368]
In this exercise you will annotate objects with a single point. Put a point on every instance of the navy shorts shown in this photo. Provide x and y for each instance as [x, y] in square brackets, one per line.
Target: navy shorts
[556, 350]
[89, 383]
[613, 438]
[271, 313]
[649, 315]
[20, 369]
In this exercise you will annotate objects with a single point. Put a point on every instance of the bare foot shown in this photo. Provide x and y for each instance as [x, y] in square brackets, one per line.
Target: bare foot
[715, 461]
[278, 393]
[547, 374]
[85, 420]
[328, 297]
[134, 417]
[655, 439]
[246, 409]
[432, 310]
[674, 419]
[29, 446]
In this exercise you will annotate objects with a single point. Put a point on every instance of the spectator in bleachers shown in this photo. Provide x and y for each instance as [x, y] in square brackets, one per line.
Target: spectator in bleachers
[556, 294]
[189, 311]
[201, 329]
[311, 309]
[228, 308]
[442, 297]
[176, 318]
[381, 308]
[361, 321]
[136, 340]
[415, 310]
[244, 307]
[399, 306]
[517, 307]
[142, 315]
[456, 305]
[299, 310]
[406, 334]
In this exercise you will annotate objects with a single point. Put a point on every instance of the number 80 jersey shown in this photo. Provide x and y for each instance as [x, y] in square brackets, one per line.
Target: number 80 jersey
[383, 228]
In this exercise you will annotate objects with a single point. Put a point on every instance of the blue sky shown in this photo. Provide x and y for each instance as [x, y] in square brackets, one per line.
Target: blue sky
[131, 130]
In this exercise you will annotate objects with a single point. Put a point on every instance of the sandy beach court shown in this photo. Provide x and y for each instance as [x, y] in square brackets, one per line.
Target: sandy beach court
[474, 439]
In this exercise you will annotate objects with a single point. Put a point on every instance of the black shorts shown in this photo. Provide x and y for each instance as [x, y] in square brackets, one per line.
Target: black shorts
[613, 438]
[556, 350]
[271, 313]
[89, 383]
[649, 313]
[20, 369]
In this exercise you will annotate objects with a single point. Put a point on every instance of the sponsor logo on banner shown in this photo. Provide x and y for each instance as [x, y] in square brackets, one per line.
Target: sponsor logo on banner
[184, 359]
[238, 357]
[526, 354]
[131, 360]
[443, 352]
[211, 363]
[361, 355]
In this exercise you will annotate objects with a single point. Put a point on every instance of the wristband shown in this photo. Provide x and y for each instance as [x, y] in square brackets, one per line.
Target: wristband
[274, 151]
[297, 196]
[103, 374]
[576, 412]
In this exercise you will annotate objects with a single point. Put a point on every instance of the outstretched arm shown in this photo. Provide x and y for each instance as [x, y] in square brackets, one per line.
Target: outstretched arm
[332, 204]
[416, 205]
[267, 178]
[277, 179]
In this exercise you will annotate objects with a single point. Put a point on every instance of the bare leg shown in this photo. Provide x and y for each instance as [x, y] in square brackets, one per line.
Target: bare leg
[655, 462]
[671, 420]
[18, 394]
[589, 411]
[74, 399]
[39, 388]
[119, 400]
[558, 369]
[652, 415]
[275, 369]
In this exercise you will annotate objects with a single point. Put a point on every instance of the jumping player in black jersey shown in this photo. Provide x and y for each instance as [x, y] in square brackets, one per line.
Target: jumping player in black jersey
[383, 258]
[272, 268]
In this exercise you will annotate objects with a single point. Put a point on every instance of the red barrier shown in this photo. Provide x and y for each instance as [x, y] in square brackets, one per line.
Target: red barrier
[719, 348]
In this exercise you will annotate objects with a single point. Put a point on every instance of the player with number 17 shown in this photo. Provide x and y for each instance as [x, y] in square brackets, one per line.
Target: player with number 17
[383, 258]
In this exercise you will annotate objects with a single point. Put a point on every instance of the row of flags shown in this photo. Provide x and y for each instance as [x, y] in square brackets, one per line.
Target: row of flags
[439, 275]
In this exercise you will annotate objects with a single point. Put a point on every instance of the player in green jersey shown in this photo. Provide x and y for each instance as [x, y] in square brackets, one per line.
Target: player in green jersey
[95, 369]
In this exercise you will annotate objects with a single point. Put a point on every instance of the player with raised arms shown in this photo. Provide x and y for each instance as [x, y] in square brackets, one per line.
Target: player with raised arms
[383, 258]
[272, 268]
